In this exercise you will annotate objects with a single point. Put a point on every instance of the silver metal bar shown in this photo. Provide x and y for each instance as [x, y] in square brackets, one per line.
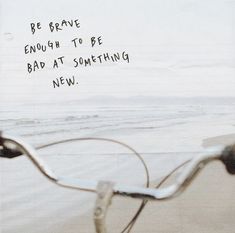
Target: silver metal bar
[18, 144]
[183, 180]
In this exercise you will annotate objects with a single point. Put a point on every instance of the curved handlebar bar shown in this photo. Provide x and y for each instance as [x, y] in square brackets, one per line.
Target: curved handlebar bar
[11, 147]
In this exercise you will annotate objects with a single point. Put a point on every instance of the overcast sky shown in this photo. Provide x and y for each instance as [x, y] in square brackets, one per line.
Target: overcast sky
[176, 48]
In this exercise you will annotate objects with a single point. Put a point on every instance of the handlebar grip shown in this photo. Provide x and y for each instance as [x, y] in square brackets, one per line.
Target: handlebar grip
[7, 152]
[228, 158]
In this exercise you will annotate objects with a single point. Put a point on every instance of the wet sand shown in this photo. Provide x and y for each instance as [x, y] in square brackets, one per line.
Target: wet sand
[219, 140]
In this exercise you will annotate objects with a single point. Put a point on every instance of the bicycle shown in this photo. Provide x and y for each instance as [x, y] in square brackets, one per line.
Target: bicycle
[11, 147]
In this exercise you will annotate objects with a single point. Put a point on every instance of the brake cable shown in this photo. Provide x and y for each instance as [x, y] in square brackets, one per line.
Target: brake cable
[132, 222]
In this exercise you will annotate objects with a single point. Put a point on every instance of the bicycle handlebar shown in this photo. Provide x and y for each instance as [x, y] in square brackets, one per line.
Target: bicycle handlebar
[11, 147]
[228, 158]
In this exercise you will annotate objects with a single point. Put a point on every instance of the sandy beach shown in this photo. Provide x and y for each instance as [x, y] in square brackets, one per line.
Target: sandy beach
[219, 140]
[207, 206]
[165, 132]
